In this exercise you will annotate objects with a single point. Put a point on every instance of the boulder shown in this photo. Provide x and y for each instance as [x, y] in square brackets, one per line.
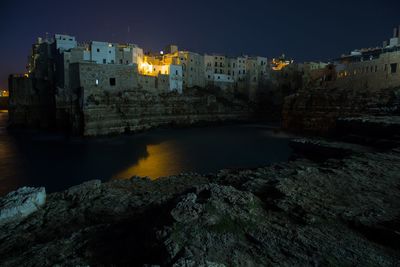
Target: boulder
[21, 203]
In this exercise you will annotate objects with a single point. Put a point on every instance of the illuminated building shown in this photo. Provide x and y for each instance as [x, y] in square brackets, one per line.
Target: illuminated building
[4, 93]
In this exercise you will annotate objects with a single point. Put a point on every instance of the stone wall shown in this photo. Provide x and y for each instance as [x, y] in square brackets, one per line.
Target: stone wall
[100, 77]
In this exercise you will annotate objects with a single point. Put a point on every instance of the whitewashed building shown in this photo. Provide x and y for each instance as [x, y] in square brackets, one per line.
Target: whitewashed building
[103, 52]
[64, 42]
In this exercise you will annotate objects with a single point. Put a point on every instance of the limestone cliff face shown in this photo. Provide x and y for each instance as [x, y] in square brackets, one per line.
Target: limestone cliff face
[112, 113]
[317, 110]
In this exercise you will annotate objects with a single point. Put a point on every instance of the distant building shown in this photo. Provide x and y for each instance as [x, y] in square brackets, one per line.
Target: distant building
[371, 68]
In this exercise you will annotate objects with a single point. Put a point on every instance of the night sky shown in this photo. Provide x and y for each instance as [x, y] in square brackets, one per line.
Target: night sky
[304, 30]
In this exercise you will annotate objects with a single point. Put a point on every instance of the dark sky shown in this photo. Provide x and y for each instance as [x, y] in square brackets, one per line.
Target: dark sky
[304, 30]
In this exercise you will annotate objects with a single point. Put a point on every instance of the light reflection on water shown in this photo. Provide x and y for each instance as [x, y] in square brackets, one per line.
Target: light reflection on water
[157, 163]
[58, 162]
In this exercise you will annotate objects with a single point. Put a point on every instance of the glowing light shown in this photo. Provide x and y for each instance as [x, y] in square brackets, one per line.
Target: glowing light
[161, 52]
[280, 64]
[146, 68]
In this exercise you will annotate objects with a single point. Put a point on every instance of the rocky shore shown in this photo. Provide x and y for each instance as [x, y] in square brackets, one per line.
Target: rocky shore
[340, 210]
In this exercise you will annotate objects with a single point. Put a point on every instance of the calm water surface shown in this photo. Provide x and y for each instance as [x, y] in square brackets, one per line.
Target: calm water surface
[58, 162]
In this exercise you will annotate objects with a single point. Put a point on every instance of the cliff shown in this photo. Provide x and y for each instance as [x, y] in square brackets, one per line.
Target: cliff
[316, 111]
[131, 111]
[92, 112]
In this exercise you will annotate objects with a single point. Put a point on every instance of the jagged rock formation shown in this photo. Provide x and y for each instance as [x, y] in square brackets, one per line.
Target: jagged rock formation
[337, 212]
[317, 110]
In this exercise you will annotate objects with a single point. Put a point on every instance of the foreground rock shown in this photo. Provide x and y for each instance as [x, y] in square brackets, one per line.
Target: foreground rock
[21, 203]
[340, 212]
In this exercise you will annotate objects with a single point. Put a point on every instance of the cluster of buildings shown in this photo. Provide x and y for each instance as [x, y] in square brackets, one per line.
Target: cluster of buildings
[68, 65]
[62, 73]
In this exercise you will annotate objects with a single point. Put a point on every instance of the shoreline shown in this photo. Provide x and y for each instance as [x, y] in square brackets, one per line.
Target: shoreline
[167, 218]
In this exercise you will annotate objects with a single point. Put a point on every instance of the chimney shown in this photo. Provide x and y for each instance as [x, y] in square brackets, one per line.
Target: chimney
[394, 32]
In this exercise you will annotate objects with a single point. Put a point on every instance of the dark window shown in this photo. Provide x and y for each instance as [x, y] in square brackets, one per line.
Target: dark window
[220, 64]
[216, 64]
[112, 61]
[127, 62]
[98, 49]
[112, 81]
[109, 52]
[104, 61]
[393, 68]
[120, 61]
[176, 72]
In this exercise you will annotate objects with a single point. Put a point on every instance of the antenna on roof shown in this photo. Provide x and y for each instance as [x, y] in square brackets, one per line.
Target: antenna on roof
[127, 34]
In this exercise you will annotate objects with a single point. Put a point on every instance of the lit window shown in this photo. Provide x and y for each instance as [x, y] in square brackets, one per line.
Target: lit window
[97, 82]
